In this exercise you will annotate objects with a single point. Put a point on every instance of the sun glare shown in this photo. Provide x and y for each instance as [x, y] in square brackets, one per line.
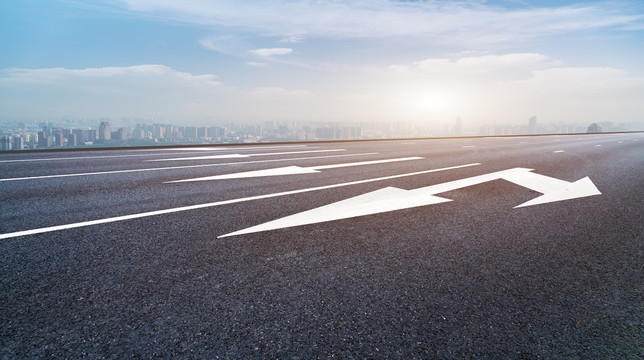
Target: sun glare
[431, 101]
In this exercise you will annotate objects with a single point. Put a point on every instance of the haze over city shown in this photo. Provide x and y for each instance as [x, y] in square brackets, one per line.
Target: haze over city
[422, 62]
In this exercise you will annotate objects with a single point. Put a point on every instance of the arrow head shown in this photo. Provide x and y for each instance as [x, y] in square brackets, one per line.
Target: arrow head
[375, 202]
[580, 188]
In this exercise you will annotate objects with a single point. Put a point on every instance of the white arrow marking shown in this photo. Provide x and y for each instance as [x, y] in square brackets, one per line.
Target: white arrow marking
[217, 203]
[291, 170]
[231, 156]
[390, 199]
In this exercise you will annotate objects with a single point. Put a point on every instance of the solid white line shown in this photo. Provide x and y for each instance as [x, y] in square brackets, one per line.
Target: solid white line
[180, 167]
[558, 151]
[228, 156]
[213, 204]
[87, 157]
[384, 161]
[139, 155]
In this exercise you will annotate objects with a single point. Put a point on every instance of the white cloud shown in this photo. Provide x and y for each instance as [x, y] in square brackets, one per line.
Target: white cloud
[271, 52]
[256, 64]
[473, 23]
[226, 44]
[497, 67]
[144, 90]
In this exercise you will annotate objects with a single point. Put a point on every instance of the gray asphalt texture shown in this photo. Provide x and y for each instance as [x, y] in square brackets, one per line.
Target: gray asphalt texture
[474, 278]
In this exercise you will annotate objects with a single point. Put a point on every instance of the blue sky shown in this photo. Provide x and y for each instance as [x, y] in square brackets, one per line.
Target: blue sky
[421, 61]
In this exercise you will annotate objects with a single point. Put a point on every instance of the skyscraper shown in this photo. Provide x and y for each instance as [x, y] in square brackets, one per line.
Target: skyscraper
[5, 143]
[532, 125]
[104, 131]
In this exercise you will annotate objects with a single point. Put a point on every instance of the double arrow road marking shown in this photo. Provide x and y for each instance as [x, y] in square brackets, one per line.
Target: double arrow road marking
[391, 198]
[383, 200]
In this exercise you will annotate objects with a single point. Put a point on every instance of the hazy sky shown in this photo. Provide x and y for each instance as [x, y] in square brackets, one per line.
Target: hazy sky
[422, 61]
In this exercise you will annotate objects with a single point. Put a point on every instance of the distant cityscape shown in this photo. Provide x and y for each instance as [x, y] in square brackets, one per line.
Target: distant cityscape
[66, 133]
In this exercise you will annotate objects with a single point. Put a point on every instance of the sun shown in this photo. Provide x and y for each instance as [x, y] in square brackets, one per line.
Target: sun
[430, 101]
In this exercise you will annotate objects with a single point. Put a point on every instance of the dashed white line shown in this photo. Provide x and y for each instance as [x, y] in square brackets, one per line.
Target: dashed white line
[558, 151]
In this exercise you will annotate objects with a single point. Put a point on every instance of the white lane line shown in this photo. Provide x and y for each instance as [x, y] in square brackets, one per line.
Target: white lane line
[598, 145]
[180, 167]
[558, 151]
[469, 146]
[247, 148]
[213, 204]
[234, 156]
[148, 155]
[290, 170]
[85, 157]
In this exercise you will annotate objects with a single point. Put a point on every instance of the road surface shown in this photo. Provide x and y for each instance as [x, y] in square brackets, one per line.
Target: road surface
[509, 247]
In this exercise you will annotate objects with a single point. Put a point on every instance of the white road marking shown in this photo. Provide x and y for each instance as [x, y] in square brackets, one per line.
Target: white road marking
[182, 167]
[558, 151]
[200, 150]
[217, 203]
[598, 145]
[247, 148]
[232, 156]
[390, 198]
[291, 170]
[469, 146]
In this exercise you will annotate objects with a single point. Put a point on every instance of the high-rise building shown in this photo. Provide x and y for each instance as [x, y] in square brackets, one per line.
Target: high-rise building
[457, 129]
[43, 140]
[72, 139]
[158, 132]
[5, 143]
[18, 143]
[59, 139]
[215, 131]
[532, 125]
[190, 132]
[104, 131]
[121, 134]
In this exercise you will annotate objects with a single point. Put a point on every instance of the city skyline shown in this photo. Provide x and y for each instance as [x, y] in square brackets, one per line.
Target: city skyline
[422, 62]
[82, 133]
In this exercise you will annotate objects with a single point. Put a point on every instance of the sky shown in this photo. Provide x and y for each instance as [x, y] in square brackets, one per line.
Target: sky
[425, 62]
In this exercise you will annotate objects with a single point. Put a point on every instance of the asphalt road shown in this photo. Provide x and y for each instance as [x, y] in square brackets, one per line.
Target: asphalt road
[114, 260]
